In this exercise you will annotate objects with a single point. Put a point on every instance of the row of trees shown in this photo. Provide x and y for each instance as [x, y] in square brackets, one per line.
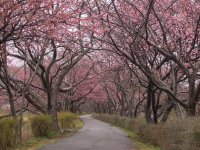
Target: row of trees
[121, 56]
[41, 42]
[159, 42]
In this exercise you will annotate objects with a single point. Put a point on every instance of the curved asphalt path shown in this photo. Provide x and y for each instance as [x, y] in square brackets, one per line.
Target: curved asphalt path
[95, 135]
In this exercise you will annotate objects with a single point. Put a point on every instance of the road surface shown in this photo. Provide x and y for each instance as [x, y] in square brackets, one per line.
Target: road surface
[95, 135]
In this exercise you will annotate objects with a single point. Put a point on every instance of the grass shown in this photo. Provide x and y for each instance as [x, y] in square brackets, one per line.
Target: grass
[36, 142]
[78, 123]
[138, 144]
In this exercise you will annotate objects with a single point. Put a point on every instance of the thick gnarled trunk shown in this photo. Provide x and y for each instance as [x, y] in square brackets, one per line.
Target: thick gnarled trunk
[192, 97]
[150, 108]
[52, 109]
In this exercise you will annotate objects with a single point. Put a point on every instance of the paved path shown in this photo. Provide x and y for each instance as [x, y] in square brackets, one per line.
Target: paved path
[95, 135]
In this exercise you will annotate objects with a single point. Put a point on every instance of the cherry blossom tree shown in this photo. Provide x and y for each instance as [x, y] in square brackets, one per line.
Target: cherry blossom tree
[73, 52]
[157, 37]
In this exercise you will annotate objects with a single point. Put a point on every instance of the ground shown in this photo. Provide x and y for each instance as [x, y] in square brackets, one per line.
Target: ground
[95, 135]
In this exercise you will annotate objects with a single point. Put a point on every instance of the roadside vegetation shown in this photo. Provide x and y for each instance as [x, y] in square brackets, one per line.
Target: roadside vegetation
[138, 144]
[125, 57]
[37, 130]
[172, 135]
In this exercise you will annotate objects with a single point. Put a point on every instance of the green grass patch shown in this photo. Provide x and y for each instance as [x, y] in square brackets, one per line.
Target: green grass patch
[36, 142]
[138, 144]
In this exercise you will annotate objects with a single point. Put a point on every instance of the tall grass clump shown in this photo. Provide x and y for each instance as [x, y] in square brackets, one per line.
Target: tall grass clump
[66, 119]
[8, 132]
[41, 125]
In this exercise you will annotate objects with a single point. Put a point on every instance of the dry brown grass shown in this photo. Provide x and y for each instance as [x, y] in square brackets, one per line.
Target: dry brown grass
[26, 131]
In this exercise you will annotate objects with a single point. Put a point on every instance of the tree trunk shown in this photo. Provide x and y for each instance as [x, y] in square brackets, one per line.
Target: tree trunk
[154, 109]
[148, 104]
[136, 108]
[191, 110]
[11, 102]
[53, 112]
[166, 113]
[6, 77]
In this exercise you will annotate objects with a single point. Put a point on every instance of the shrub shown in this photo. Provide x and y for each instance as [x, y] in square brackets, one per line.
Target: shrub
[121, 122]
[41, 125]
[115, 119]
[8, 132]
[66, 119]
[128, 124]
